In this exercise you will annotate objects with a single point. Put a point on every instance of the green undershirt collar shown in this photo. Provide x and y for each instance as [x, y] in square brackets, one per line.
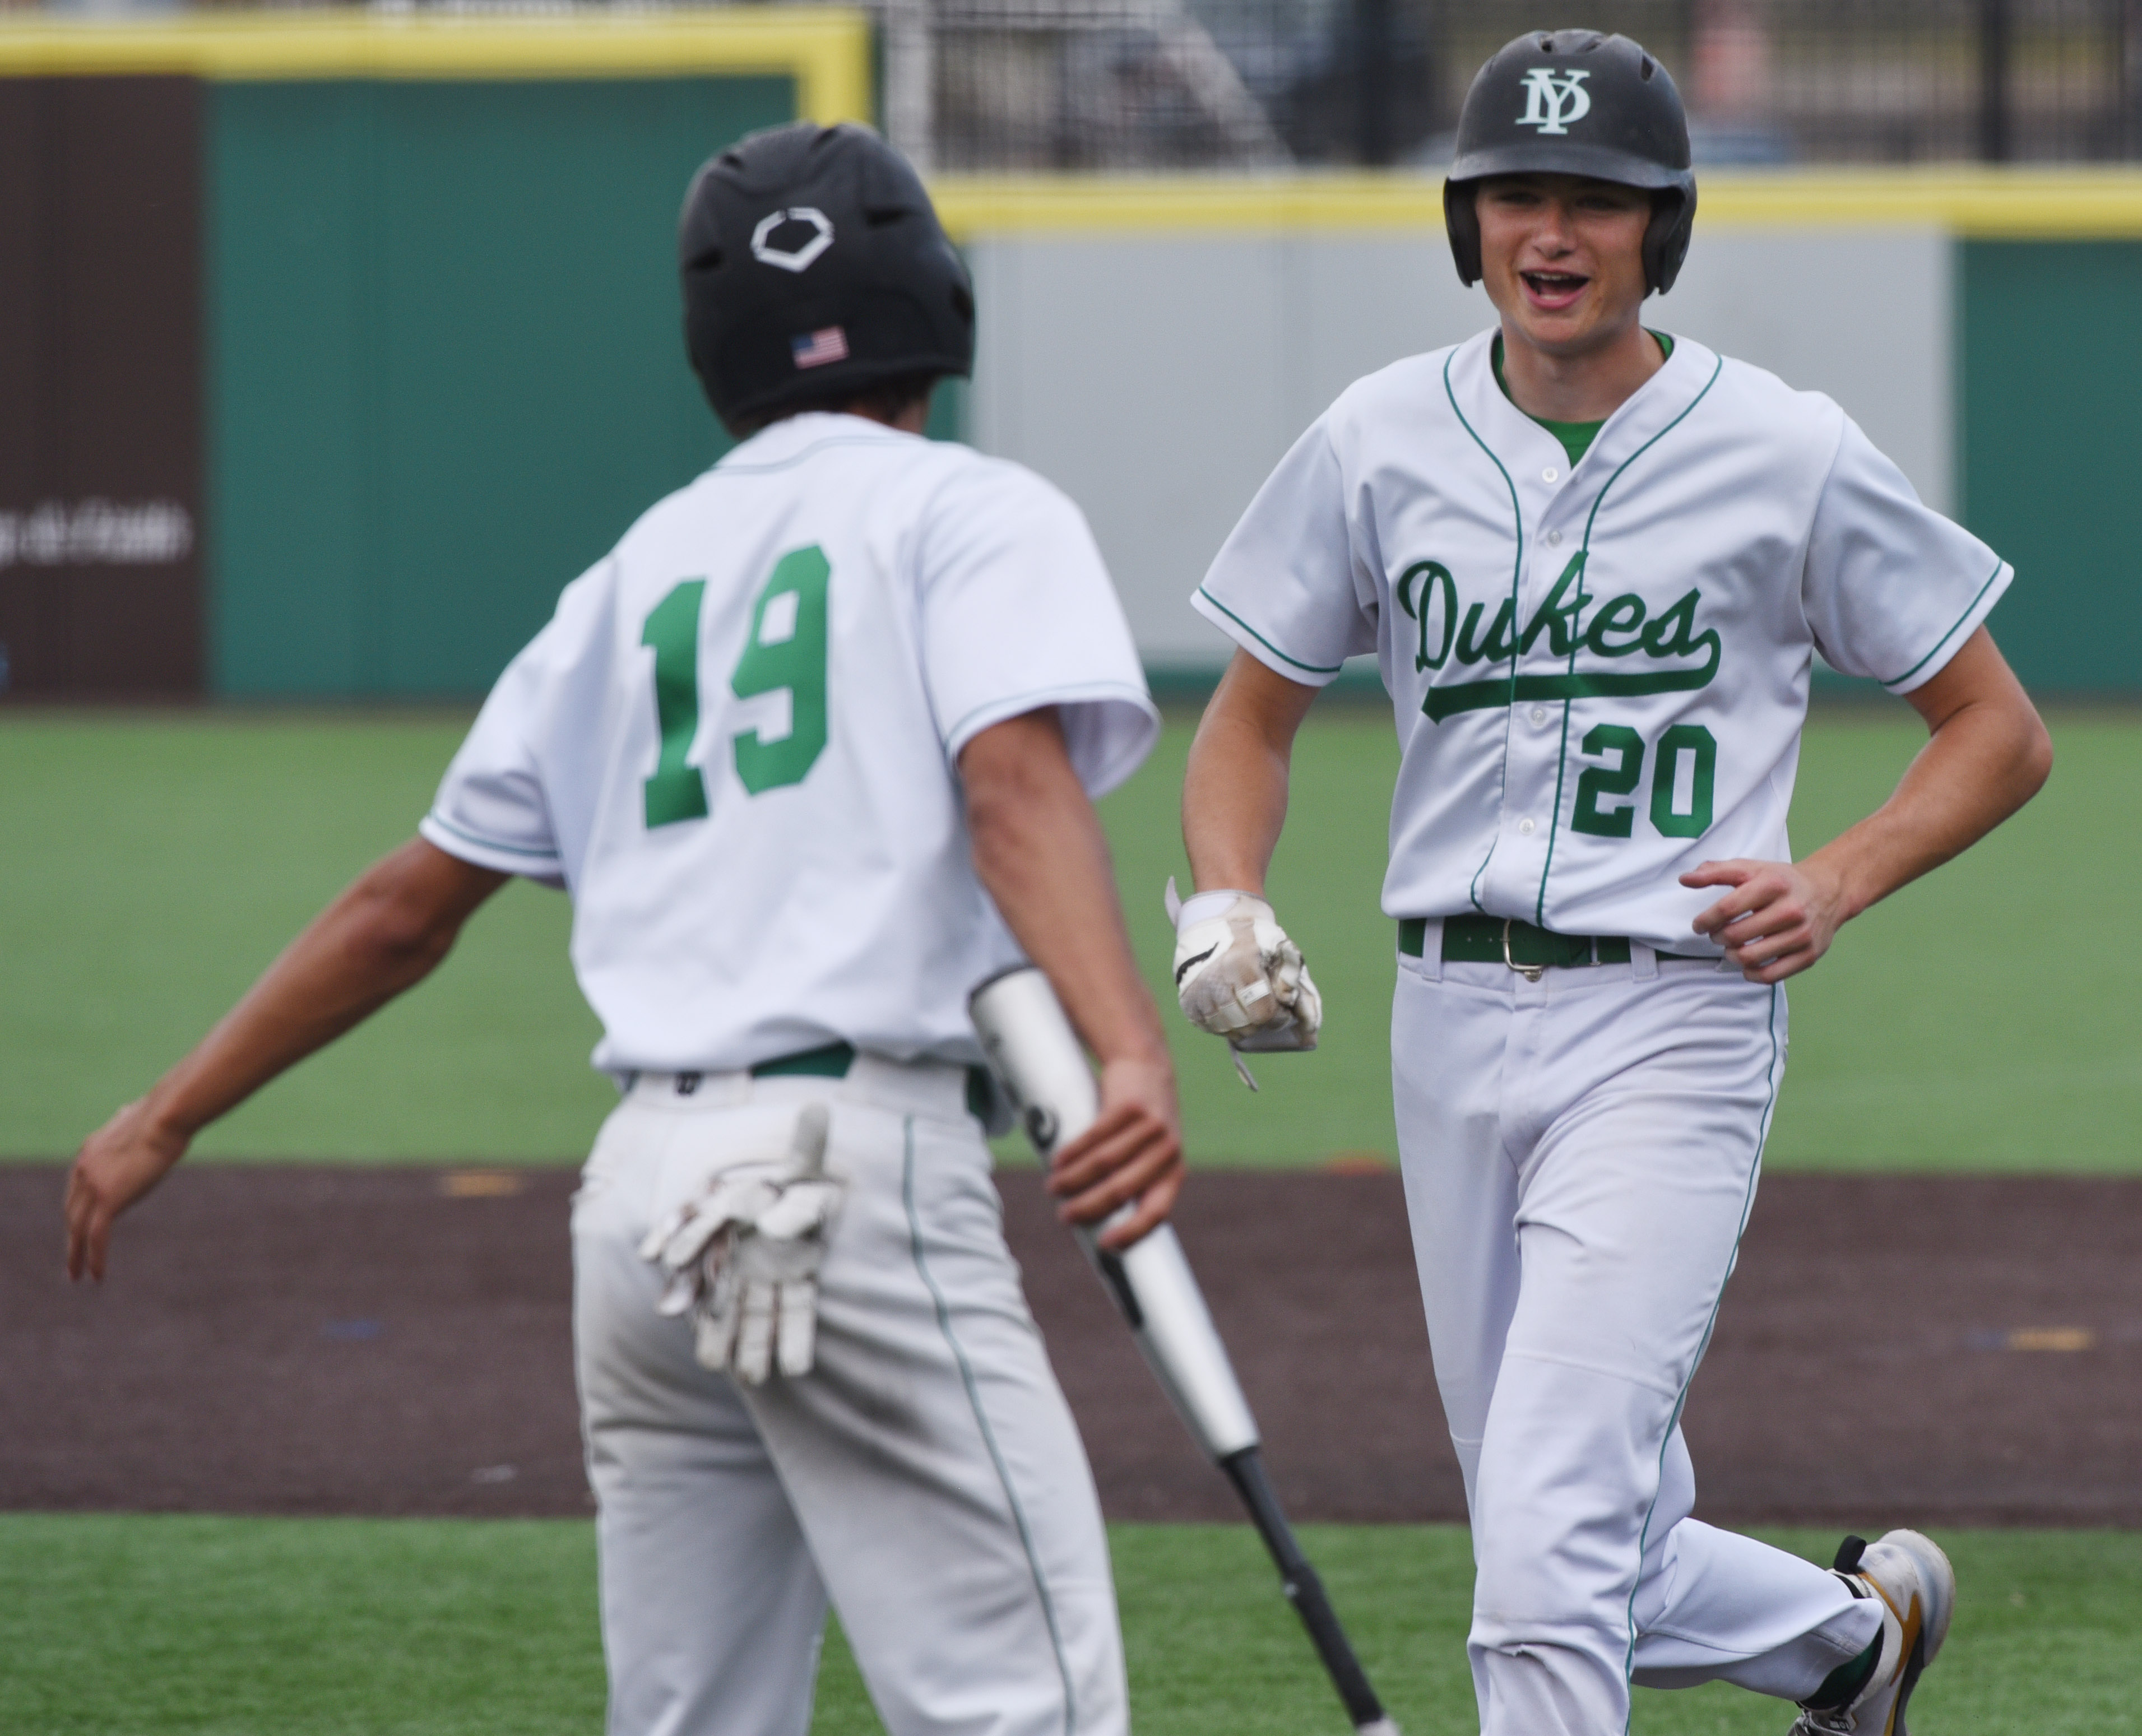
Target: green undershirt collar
[1575, 437]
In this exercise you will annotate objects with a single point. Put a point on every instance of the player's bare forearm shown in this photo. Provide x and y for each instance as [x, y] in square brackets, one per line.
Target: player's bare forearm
[384, 934]
[1233, 790]
[1988, 753]
[1041, 854]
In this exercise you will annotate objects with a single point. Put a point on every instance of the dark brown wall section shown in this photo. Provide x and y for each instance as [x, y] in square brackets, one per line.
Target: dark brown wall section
[100, 387]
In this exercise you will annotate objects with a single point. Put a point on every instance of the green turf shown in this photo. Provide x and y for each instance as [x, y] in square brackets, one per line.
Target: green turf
[131, 1626]
[1978, 1019]
[1325, 883]
[153, 864]
[117, 1625]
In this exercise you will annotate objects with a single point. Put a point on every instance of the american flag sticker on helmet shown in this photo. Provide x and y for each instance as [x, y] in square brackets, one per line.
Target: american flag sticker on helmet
[815, 349]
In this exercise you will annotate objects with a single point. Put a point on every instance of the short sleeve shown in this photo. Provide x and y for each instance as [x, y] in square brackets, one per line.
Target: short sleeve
[1891, 588]
[490, 808]
[1018, 613]
[1282, 584]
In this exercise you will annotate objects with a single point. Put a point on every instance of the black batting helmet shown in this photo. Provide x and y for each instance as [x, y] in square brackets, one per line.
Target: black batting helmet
[813, 263]
[1576, 102]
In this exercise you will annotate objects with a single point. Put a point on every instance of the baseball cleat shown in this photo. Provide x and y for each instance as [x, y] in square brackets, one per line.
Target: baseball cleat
[1917, 1588]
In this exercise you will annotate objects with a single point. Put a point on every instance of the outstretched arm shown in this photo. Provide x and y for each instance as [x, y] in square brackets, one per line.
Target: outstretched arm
[1988, 754]
[1040, 852]
[1234, 791]
[381, 936]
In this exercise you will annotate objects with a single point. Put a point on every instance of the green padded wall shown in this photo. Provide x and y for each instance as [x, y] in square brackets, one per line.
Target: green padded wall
[2050, 365]
[446, 366]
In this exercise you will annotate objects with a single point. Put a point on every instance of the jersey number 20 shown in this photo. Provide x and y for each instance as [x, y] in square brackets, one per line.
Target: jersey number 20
[785, 650]
[1686, 750]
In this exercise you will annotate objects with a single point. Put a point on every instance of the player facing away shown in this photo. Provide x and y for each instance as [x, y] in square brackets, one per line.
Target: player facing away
[1594, 563]
[811, 749]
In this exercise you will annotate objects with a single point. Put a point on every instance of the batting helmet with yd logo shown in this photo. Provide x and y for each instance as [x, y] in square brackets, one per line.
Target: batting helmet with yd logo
[1576, 102]
[815, 268]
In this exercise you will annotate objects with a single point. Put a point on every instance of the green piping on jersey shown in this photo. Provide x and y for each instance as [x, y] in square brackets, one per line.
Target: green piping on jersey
[1702, 1344]
[1671, 681]
[1312, 668]
[1575, 437]
[1516, 575]
[1997, 564]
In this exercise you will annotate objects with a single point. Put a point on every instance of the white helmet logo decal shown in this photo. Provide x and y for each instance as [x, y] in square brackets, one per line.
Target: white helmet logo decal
[1553, 100]
[798, 259]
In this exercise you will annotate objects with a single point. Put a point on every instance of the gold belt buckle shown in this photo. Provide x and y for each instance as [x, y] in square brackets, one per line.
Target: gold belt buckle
[1530, 973]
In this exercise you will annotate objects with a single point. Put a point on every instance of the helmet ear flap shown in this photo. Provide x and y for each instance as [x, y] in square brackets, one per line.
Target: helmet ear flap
[1667, 237]
[1461, 219]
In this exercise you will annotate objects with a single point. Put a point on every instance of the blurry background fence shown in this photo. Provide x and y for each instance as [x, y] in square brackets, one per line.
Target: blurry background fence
[1026, 84]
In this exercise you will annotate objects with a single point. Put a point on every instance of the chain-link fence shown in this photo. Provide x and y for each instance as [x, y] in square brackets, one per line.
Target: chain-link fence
[1020, 84]
[1158, 84]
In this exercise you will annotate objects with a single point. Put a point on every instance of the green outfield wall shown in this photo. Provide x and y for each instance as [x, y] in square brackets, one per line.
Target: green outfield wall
[336, 343]
[2048, 370]
[447, 372]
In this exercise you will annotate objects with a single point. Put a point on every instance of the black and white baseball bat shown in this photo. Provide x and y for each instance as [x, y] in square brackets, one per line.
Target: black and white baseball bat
[1038, 1060]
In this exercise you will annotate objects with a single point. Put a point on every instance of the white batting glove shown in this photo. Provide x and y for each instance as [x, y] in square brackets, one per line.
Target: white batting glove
[744, 1258]
[1239, 976]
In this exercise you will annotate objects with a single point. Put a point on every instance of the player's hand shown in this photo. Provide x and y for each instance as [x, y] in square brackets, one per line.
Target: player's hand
[1238, 974]
[118, 1163]
[1778, 920]
[1133, 1151]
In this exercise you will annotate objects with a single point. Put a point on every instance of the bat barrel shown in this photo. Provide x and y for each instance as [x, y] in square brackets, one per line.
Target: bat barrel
[1305, 1591]
[1030, 1042]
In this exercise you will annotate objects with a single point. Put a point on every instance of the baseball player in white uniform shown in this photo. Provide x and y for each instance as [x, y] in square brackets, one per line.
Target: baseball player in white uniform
[1594, 563]
[812, 750]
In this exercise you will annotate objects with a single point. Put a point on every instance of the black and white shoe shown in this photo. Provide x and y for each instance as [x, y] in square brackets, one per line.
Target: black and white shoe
[1916, 1586]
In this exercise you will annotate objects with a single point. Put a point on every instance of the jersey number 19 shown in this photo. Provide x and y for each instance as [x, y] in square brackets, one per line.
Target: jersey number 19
[785, 651]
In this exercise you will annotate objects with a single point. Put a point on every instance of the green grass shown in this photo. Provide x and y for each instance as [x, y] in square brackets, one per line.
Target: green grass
[1978, 1019]
[228, 1627]
[153, 864]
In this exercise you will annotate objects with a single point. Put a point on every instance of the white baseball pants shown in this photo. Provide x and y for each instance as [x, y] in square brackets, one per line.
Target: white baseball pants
[926, 1474]
[1580, 1157]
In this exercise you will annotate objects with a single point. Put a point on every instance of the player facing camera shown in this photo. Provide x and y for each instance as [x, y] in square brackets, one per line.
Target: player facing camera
[1595, 563]
[1570, 200]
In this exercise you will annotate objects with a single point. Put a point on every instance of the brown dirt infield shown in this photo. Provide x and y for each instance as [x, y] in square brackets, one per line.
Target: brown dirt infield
[394, 1341]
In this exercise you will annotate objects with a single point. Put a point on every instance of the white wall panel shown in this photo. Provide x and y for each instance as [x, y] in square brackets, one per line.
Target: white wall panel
[1147, 379]
[1864, 315]
[1157, 378]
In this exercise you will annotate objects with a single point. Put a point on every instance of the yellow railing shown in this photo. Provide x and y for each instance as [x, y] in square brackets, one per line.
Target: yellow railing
[827, 50]
[2021, 202]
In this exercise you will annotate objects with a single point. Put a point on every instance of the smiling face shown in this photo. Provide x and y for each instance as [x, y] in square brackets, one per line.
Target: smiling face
[1561, 257]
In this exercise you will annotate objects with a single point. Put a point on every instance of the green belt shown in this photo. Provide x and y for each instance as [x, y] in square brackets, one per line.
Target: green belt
[1474, 939]
[833, 1061]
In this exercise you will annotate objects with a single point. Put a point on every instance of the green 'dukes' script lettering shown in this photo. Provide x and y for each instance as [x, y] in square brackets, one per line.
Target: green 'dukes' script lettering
[1436, 585]
[1427, 593]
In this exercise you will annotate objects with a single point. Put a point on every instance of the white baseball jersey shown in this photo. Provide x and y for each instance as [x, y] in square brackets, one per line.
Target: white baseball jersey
[1600, 670]
[735, 742]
